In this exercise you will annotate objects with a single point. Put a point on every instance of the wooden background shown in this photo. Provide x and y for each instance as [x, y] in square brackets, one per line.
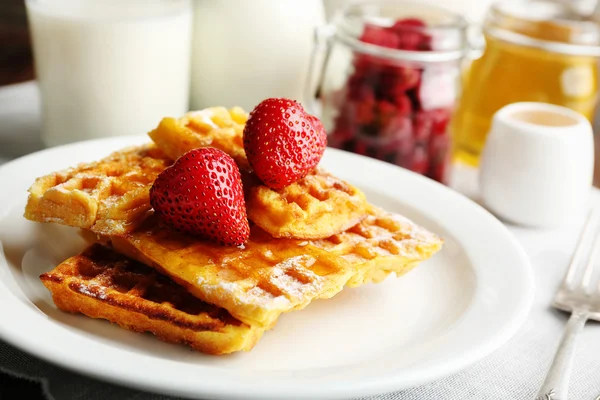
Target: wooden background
[16, 61]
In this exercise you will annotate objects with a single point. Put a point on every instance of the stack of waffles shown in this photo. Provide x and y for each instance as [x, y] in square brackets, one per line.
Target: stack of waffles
[308, 241]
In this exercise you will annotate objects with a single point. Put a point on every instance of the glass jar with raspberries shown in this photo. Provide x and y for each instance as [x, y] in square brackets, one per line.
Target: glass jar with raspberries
[389, 82]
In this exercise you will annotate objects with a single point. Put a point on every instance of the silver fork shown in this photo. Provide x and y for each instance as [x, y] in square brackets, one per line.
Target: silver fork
[580, 297]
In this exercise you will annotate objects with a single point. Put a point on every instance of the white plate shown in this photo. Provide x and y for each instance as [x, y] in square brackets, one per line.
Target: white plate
[450, 312]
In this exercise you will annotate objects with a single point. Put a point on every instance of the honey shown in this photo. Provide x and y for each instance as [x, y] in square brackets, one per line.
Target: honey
[538, 51]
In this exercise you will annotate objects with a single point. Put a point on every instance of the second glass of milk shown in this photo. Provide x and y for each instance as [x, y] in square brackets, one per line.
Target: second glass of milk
[110, 67]
[246, 51]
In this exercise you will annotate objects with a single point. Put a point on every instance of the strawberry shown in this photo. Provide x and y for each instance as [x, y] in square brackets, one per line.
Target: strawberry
[201, 194]
[283, 143]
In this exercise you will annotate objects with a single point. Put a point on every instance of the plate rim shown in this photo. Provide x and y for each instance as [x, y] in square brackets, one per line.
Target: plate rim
[223, 389]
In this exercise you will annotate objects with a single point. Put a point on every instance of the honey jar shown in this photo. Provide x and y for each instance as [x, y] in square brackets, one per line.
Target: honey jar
[540, 51]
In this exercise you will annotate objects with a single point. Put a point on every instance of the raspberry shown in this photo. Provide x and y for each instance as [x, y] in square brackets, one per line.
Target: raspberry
[380, 36]
[422, 126]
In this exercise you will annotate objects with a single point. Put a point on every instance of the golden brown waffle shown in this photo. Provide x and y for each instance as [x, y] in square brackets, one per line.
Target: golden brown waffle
[255, 282]
[382, 243]
[212, 127]
[269, 276]
[110, 196]
[103, 284]
[317, 206]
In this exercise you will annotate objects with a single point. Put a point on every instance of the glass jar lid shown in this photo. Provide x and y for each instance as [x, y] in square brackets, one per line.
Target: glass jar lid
[445, 32]
[546, 25]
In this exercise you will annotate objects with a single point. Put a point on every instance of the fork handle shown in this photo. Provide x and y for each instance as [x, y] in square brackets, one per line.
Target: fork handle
[556, 384]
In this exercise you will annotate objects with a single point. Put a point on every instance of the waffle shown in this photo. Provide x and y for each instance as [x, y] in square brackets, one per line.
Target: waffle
[270, 276]
[103, 284]
[255, 283]
[215, 127]
[318, 206]
[110, 196]
[382, 243]
[315, 207]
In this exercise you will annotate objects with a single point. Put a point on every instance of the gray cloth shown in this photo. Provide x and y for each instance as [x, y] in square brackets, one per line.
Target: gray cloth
[60, 384]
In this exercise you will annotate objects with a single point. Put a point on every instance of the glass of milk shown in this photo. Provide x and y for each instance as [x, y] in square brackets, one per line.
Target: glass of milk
[246, 51]
[109, 67]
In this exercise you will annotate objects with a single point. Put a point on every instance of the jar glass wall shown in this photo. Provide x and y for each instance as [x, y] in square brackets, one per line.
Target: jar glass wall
[390, 82]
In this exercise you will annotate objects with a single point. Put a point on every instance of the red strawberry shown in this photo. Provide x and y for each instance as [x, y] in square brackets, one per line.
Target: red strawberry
[316, 122]
[283, 143]
[201, 194]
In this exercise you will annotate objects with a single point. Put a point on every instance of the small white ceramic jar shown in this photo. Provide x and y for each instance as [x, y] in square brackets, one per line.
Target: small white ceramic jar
[537, 165]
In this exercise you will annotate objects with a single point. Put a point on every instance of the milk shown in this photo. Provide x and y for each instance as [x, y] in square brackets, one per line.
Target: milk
[246, 51]
[109, 68]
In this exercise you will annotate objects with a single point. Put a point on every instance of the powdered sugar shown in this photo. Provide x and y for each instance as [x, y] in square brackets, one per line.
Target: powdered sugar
[254, 295]
[289, 284]
[381, 234]
[205, 117]
[95, 291]
[284, 276]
